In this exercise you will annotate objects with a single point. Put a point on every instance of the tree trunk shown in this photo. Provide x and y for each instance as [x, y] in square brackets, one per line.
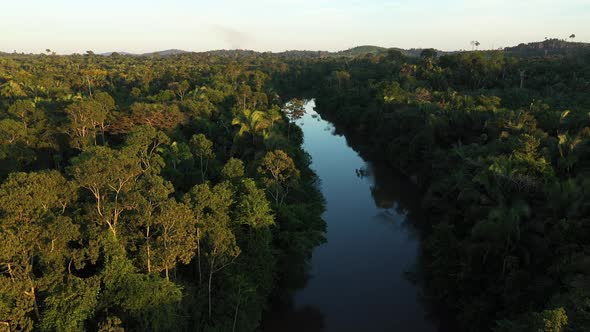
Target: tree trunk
[36, 306]
[199, 255]
[202, 172]
[102, 134]
[89, 86]
[112, 228]
[166, 251]
[237, 308]
[209, 288]
[149, 261]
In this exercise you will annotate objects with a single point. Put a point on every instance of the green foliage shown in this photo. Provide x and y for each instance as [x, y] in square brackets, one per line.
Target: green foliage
[95, 153]
[253, 209]
[176, 242]
[233, 169]
[499, 146]
[71, 305]
[279, 174]
[202, 148]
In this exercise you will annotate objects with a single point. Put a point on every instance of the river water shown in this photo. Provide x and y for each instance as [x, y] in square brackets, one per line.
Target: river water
[359, 277]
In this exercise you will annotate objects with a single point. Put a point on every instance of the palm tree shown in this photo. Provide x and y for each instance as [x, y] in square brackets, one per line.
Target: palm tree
[251, 122]
[566, 146]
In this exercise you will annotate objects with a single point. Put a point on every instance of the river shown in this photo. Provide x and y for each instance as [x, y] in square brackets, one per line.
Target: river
[359, 277]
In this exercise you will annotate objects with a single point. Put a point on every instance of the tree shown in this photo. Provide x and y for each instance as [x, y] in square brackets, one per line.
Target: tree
[551, 320]
[294, 110]
[202, 148]
[342, 77]
[180, 89]
[92, 76]
[253, 208]
[108, 175]
[567, 145]
[146, 143]
[14, 149]
[12, 90]
[244, 92]
[153, 192]
[273, 115]
[71, 304]
[250, 122]
[211, 207]
[35, 237]
[279, 174]
[233, 169]
[11, 132]
[106, 105]
[85, 117]
[428, 53]
[25, 111]
[175, 224]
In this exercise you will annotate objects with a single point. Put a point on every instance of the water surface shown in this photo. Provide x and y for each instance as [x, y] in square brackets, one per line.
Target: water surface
[359, 276]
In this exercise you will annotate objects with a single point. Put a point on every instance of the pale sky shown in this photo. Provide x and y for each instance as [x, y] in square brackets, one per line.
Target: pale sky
[138, 26]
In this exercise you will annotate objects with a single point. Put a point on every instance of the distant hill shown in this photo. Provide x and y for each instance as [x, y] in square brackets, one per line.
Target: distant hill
[548, 47]
[231, 53]
[158, 53]
[120, 53]
[352, 52]
[363, 50]
[377, 50]
[304, 54]
[166, 53]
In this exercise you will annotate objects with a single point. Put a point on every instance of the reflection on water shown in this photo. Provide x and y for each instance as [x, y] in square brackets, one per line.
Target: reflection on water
[359, 277]
[306, 318]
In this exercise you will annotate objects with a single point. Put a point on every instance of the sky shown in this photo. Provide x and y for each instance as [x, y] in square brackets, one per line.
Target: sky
[138, 26]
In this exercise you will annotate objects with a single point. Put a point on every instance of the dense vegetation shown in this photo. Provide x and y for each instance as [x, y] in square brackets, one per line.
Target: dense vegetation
[171, 193]
[148, 194]
[500, 146]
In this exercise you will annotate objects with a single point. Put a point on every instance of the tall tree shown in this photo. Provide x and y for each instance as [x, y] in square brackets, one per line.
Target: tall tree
[294, 110]
[109, 175]
[106, 105]
[279, 174]
[35, 239]
[250, 122]
[176, 242]
[85, 118]
[202, 148]
[211, 207]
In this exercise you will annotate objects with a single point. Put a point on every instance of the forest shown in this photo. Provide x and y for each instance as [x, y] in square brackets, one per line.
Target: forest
[149, 194]
[170, 193]
[499, 145]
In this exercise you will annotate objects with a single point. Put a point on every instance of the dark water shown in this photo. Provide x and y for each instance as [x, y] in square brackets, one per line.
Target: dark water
[359, 277]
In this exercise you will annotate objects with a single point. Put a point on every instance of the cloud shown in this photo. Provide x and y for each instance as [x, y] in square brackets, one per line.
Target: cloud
[234, 38]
